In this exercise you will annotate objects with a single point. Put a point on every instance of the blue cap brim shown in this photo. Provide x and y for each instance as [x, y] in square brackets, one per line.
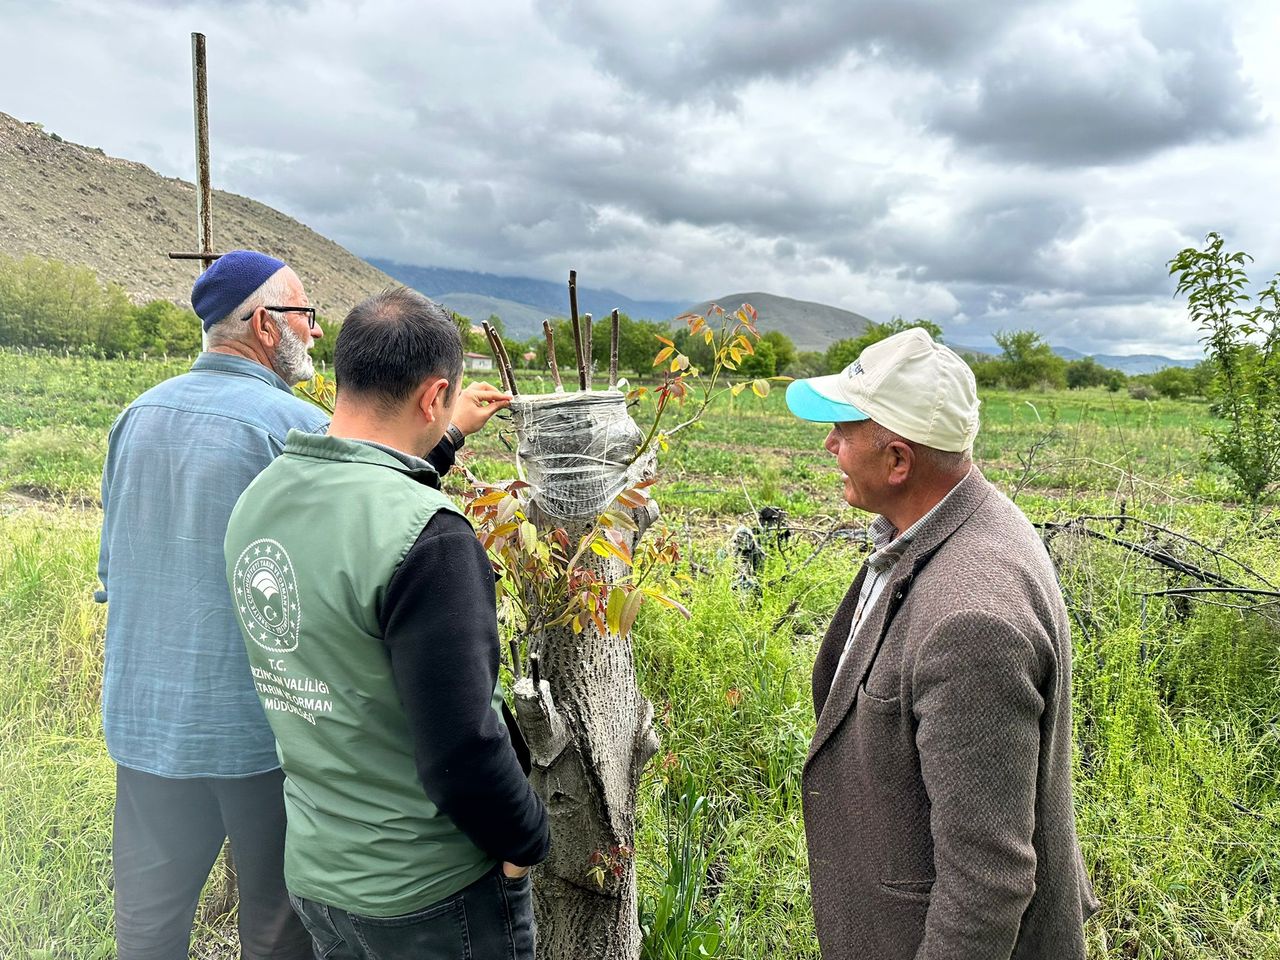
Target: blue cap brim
[807, 404]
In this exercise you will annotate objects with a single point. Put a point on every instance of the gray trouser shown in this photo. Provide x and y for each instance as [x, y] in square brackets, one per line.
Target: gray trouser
[166, 837]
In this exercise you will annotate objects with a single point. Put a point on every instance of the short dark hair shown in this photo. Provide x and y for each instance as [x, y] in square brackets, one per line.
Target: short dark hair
[392, 342]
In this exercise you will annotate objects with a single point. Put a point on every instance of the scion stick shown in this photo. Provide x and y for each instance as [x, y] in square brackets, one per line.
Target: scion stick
[577, 330]
[586, 349]
[613, 348]
[497, 360]
[551, 354]
[506, 363]
[500, 358]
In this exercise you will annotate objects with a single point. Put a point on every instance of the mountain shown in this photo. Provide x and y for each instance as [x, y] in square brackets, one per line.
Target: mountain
[1134, 363]
[548, 298]
[1129, 364]
[523, 303]
[66, 202]
[519, 320]
[811, 326]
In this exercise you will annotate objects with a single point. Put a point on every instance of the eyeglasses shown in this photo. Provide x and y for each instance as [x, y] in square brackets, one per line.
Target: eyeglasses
[309, 311]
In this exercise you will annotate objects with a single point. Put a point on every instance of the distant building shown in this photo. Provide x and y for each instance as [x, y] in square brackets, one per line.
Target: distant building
[477, 361]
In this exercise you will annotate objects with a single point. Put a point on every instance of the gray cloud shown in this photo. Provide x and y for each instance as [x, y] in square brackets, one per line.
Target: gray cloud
[684, 52]
[1000, 237]
[985, 168]
[1079, 90]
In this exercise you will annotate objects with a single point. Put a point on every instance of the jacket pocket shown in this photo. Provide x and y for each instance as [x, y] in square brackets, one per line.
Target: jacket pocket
[877, 704]
[916, 890]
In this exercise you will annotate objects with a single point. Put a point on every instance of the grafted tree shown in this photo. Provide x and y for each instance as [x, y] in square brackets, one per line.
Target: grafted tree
[566, 538]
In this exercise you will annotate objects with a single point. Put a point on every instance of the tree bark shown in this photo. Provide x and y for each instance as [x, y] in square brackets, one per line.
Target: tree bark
[590, 733]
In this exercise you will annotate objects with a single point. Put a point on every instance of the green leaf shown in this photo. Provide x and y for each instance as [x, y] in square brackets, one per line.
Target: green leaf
[613, 609]
[629, 611]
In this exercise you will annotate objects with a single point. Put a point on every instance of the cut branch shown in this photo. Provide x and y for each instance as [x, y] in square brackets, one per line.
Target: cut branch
[1196, 591]
[577, 330]
[1160, 556]
[1123, 518]
[500, 358]
[551, 354]
[613, 348]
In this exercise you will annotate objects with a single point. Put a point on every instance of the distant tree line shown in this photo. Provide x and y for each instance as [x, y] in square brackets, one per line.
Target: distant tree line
[52, 305]
[56, 306]
[1027, 362]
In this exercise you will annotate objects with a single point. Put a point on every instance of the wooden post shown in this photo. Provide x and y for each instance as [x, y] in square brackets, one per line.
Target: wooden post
[204, 188]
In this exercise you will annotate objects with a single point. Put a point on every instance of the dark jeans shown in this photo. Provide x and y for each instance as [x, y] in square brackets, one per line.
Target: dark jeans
[167, 834]
[490, 920]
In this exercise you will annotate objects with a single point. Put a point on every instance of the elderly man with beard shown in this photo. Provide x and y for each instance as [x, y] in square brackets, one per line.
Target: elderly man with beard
[195, 758]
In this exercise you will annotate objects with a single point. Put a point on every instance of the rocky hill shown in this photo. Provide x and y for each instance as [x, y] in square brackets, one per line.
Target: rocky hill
[62, 201]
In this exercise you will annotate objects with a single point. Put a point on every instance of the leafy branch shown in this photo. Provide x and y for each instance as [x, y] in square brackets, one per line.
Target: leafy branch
[731, 343]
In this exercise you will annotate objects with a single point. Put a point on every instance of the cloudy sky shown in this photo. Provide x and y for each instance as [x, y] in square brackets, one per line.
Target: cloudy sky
[983, 163]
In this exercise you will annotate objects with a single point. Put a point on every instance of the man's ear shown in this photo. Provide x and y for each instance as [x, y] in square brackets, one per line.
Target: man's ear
[901, 460]
[264, 328]
[432, 399]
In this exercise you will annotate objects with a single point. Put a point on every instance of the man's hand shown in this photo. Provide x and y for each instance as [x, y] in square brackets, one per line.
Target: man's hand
[476, 404]
[512, 872]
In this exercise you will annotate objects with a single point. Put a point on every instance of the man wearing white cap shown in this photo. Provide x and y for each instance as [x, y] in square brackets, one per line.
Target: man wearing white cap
[937, 790]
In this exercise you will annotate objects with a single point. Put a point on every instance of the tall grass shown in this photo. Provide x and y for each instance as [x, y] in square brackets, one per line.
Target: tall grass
[1177, 710]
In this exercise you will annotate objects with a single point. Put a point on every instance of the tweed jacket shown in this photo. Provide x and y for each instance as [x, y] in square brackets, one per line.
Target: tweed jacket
[937, 790]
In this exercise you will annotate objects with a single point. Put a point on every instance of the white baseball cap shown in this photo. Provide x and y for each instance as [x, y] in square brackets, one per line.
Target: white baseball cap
[919, 389]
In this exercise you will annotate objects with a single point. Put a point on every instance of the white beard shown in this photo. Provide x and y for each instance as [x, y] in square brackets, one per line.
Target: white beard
[292, 361]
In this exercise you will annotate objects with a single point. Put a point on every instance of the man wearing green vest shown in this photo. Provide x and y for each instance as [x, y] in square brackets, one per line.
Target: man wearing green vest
[367, 607]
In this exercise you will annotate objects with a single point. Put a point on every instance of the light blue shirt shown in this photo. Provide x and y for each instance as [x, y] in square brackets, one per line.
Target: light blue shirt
[177, 696]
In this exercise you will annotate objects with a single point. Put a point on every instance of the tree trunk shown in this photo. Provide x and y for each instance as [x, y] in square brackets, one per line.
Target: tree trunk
[590, 733]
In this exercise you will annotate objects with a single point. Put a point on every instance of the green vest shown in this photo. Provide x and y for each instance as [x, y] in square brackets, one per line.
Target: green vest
[310, 549]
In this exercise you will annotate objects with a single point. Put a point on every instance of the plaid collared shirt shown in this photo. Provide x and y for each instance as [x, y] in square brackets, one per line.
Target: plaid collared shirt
[889, 548]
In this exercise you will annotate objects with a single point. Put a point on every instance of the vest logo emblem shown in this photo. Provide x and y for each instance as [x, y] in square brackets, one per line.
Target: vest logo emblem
[266, 595]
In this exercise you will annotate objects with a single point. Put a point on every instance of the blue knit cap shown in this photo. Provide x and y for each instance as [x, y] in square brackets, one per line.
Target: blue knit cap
[228, 282]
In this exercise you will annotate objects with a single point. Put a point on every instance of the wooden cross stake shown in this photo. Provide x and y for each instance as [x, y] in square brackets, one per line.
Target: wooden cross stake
[204, 191]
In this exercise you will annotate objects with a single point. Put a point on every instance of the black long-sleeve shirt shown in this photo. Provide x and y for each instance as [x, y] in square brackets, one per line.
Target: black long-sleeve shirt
[440, 627]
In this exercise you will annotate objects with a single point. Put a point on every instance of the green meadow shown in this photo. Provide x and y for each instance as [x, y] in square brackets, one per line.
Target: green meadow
[1177, 702]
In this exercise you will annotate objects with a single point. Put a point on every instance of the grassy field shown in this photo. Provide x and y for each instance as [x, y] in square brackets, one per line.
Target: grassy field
[1177, 707]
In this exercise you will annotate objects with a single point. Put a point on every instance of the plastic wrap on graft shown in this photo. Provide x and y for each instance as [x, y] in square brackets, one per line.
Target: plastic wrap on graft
[576, 451]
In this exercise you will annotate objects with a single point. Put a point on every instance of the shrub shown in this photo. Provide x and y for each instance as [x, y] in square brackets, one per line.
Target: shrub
[1174, 382]
[1087, 372]
[843, 352]
[1028, 361]
[1244, 350]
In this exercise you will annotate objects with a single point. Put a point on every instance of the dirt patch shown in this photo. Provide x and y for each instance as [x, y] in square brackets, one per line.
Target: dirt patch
[19, 499]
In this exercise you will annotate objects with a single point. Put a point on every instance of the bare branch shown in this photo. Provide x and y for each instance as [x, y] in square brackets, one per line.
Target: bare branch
[551, 353]
[613, 348]
[500, 358]
[1162, 557]
[577, 330]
